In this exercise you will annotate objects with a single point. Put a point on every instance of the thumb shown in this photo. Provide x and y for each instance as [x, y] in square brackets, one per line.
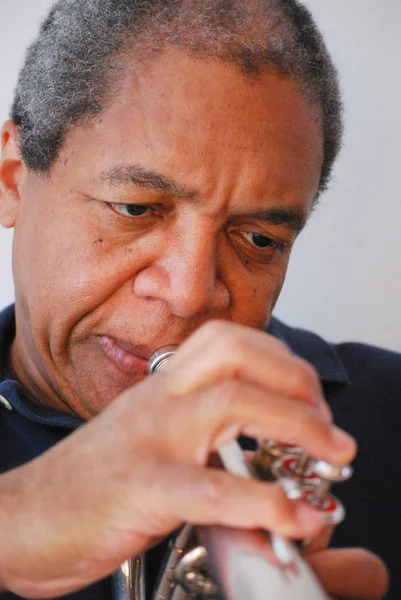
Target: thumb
[318, 543]
[351, 573]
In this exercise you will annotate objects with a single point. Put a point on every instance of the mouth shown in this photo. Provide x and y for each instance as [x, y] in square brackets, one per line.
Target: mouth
[131, 360]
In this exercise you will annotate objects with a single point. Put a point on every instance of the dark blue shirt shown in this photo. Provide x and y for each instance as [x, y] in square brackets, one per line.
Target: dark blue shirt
[362, 385]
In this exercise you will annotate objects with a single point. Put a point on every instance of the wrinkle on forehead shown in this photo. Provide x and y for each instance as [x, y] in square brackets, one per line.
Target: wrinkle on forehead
[206, 125]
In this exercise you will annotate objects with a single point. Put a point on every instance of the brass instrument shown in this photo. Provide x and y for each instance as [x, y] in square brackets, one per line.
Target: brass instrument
[221, 563]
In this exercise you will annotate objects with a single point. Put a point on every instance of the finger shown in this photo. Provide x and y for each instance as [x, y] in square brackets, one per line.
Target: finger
[318, 543]
[215, 329]
[249, 456]
[233, 407]
[212, 496]
[351, 574]
[235, 352]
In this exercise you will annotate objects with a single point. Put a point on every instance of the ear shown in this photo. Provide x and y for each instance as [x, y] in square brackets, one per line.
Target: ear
[11, 169]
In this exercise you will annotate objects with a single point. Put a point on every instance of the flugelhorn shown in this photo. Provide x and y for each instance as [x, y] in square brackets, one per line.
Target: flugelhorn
[222, 563]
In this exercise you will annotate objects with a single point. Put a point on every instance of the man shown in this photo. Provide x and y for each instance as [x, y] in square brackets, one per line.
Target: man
[161, 159]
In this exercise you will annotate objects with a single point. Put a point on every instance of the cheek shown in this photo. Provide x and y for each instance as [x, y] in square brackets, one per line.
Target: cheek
[60, 264]
[255, 295]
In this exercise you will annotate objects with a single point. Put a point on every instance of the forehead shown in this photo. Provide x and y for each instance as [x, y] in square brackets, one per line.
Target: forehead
[207, 120]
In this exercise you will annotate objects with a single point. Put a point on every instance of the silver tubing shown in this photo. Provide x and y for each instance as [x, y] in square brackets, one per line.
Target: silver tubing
[129, 580]
[165, 589]
[179, 593]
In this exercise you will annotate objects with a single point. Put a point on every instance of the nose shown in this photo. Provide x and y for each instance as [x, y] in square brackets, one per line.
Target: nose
[185, 276]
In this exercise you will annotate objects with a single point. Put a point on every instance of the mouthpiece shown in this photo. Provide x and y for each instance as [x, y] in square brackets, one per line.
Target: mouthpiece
[160, 357]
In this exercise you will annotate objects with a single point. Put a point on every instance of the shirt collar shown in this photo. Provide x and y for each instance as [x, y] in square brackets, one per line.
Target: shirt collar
[12, 390]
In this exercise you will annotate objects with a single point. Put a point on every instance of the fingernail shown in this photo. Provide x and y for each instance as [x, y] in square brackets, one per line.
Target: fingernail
[309, 516]
[283, 549]
[341, 439]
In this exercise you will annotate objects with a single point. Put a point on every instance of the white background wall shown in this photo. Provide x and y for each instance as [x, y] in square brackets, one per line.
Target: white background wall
[344, 280]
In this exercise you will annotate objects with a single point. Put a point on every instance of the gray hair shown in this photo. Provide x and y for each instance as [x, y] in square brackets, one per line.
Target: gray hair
[71, 70]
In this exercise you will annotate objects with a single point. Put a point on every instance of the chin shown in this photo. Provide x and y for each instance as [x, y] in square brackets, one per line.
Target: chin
[97, 394]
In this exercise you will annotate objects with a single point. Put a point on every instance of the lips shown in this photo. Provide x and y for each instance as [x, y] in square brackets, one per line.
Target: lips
[127, 358]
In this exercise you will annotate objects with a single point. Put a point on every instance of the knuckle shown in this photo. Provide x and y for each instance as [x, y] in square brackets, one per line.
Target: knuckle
[214, 489]
[279, 345]
[227, 343]
[227, 395]
[305, 379]
[305, 422]
[235, 345]
[226, 340]
[214, 328]
[318, 428]
[282, 509]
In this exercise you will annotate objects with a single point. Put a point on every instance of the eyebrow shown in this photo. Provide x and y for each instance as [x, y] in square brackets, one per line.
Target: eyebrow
[137, 176]
[294, 219]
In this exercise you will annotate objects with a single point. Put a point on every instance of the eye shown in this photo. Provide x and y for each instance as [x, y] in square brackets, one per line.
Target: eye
[260, 241]
[129, 210]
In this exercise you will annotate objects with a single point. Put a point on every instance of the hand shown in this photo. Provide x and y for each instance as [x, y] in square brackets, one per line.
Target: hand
[139, 469]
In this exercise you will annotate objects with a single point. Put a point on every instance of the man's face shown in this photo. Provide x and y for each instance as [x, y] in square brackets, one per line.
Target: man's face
[178, 204]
